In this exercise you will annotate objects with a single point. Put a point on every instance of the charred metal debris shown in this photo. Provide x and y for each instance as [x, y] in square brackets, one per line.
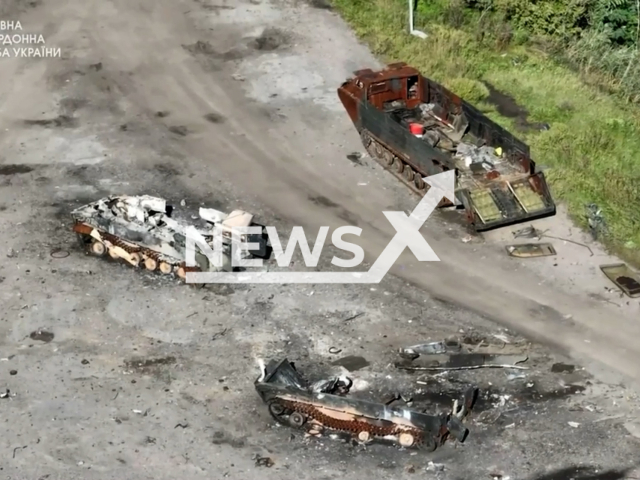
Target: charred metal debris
[141, 230]
[452, 354]
[323, 408]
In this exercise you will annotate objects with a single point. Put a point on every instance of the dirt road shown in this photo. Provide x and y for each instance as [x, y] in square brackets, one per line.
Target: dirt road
[287, 158]
[188, 99]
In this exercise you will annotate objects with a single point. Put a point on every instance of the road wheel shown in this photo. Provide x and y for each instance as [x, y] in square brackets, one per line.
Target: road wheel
[150, 264]
[276, 409]
[429, 444]
[135, 259]
[165, 268]
[98, 248]
[182, 273]
[297, 419]
[398, 166]
[408, 173]
[418, 181]
[387, 157]
[364, 436]
[406, 440]
[368, 143]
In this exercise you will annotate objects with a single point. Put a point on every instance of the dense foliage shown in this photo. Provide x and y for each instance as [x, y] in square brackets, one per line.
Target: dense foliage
[600, 37]
[569, 19]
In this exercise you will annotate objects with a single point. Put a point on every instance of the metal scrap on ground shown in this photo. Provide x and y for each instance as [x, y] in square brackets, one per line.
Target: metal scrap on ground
[322, 407]
[433, 348]
[625, 279]
[451, 354]
[529, 250]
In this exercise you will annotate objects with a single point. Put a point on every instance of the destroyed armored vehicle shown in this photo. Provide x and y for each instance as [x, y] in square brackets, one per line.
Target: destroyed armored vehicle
[323, 408]
[142, 231]
[415, 127]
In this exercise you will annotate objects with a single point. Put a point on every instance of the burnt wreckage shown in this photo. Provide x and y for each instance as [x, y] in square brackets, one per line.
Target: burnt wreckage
[323, 408]
[415, 127]
[142, 231]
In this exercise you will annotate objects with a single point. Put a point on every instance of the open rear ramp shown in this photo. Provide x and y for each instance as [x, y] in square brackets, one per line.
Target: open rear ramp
[507, 202]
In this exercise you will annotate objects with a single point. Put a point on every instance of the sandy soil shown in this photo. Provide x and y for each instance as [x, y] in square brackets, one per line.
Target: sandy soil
[233, 104]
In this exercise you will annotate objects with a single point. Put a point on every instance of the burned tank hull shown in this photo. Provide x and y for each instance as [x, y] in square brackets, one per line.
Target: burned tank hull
[415, 127]
[318, 409]
[142, 231]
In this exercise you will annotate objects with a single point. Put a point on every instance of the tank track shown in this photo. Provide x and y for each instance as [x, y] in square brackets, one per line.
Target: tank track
[309, 417]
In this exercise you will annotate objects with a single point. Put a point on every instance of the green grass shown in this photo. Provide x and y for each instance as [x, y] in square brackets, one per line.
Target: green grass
[593, 146]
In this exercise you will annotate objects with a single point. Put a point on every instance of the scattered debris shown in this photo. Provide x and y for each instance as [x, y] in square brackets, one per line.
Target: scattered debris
[12, 253]
[501, 337]
[571, 241]
[433, 348]
[573, 424]
[595, 220]
[625, 279]
[16, 449]
[238, 77]
[357, 315]
[270, 39]
[59, 253]
[141, 230]
[562, 368]
[85, 361]
[529, 250]
[351, 363]
[293, 402]
[527, 232]
[214, 118]
[336, 386]
[434, 467]
[334, 350]
[41, 335]
[13, 372]
[263, 461]
[179, 130]
[356, 158]
[468, 361]
[450, 355]
[181, 425]
[219, 334]
[6, 394]
[62, 121]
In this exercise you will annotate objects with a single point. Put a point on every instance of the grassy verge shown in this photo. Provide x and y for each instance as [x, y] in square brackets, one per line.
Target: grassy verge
[593, 145]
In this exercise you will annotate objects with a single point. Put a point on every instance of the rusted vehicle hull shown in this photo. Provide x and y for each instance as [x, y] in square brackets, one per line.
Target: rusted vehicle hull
[293, 402]
[450, 134]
